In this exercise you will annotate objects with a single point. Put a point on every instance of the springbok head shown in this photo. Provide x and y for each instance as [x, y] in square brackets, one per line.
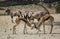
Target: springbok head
[7, 11]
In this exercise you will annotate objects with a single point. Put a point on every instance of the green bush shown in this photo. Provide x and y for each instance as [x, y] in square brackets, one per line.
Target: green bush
[49, 5]
[58, 9]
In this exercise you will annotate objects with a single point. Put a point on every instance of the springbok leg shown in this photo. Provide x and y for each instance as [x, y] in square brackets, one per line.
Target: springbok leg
[51, 28]
[44, 27]
[14, 29]
[12, 19]
[39, 23]
[42, 20]
[25, 29]
[51, 20]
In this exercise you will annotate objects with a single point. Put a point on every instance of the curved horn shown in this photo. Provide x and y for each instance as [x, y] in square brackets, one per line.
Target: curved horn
[44, 8]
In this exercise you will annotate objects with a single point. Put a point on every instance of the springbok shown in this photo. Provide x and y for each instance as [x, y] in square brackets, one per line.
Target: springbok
[42, 17]
[40, 21]
[13, 13]
[18, 21]
[27, 17]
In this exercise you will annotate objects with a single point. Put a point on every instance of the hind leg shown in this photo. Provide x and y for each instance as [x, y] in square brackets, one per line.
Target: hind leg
[25, 29]
[14, 29]
[43, 27]
[51, 21]
[12, 19]
[51, 27]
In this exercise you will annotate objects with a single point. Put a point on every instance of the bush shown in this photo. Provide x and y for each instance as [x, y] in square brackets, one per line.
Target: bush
[58, 9]
[49, 5]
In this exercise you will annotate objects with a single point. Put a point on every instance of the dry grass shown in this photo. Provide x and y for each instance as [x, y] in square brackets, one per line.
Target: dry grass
[28, 7]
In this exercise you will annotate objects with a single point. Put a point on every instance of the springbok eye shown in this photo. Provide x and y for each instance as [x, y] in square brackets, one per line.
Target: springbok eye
[6, 11]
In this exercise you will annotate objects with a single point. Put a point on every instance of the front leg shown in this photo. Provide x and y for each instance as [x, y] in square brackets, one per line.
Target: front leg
[12, 19]
[14, 29]
[36, 27]
[43, 27]
[25, 29]
[40, 23]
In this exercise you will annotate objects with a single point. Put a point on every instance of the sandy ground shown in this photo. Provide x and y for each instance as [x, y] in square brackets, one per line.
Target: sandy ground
[6, 30]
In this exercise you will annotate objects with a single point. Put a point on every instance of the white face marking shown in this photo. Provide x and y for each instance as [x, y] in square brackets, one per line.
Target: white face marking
[29, 14]
[14, 18]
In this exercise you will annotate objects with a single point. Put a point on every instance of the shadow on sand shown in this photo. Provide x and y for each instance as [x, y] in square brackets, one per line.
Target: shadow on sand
[40, 33]
[57, 23]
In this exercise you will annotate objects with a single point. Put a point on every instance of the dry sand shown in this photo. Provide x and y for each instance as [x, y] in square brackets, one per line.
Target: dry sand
[6, 30]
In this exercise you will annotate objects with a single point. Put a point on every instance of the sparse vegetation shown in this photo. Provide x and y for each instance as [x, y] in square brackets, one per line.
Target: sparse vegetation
[58, 7]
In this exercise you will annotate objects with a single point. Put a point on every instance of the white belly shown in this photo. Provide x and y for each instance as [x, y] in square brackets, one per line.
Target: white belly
[35, 20]
[14, 18]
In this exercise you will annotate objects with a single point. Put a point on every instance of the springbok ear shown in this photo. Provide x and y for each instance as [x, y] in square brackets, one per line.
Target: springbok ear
[7, 9]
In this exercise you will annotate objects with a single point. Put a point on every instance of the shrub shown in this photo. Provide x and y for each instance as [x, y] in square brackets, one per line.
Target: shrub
[49, 5]
[58, 9]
